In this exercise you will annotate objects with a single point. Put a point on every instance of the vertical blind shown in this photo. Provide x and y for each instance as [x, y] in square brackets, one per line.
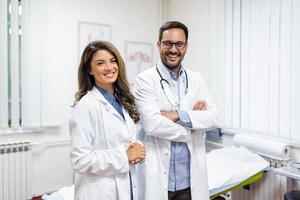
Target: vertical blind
[20, 78]
[30, 55]
[3, 65]
[255, 61]
[10, 102]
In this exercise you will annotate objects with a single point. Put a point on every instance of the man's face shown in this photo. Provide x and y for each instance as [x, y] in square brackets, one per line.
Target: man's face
[172, 48]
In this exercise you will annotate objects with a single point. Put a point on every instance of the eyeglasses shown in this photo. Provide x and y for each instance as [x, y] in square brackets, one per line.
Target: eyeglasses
[169, 44]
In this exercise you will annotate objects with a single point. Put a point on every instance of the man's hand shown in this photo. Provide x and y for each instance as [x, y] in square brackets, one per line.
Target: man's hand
[172, 115]
[200, 105]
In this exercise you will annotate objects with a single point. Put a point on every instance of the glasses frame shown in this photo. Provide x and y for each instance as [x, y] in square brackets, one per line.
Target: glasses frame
[177, 44]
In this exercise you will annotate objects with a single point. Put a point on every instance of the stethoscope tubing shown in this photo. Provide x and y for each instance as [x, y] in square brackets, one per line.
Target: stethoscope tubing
[162, 79]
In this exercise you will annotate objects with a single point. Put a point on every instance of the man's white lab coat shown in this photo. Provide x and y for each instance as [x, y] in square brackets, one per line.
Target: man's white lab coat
[158, 132]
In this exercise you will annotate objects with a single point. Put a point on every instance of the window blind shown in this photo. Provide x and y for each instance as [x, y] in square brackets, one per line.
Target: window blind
[255, 61]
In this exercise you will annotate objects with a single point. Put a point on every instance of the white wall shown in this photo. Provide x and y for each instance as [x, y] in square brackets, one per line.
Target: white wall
[194, 14]
[55, 51]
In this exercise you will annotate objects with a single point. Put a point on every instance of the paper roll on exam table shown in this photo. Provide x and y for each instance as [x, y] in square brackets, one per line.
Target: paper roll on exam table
[263, 146]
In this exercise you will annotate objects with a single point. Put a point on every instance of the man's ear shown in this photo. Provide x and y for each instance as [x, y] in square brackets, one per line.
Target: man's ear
[158, 44]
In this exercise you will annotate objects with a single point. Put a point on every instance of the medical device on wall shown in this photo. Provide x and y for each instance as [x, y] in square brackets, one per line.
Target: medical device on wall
[163, 81]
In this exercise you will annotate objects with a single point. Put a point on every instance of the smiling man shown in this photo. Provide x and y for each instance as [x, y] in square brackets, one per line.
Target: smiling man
[175, 109]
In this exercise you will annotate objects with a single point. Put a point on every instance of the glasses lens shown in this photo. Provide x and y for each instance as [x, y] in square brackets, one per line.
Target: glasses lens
[180, 45]
[167, 44]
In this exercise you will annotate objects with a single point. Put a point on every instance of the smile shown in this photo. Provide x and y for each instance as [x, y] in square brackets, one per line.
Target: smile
[109, 75]
[172, 57]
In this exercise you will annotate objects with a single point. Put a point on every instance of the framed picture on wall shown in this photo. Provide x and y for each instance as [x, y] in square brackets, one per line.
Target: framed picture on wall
[88, 32]
[138, 57]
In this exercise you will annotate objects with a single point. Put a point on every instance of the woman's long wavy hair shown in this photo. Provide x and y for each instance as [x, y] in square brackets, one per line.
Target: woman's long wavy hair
[86, 81]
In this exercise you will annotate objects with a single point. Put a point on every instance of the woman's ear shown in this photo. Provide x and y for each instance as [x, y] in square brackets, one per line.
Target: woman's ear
[89, 70]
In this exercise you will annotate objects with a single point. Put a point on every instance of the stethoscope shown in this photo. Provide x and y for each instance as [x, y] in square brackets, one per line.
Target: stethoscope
[163, 80]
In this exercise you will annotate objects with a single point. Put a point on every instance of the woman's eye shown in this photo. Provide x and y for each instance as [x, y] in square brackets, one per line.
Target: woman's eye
[114, 61]
[100, 63]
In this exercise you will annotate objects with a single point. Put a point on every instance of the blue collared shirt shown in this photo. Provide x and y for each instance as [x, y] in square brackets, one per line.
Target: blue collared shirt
[179, 170]
[113, 100]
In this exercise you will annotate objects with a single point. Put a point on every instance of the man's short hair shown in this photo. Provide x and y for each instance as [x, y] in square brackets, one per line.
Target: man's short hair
[173, 24]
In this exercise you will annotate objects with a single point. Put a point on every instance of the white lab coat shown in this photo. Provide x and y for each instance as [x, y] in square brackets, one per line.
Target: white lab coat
[158, 131]
[100, 138]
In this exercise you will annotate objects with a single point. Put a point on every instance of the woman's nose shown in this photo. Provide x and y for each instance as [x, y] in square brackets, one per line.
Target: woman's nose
[108, 66]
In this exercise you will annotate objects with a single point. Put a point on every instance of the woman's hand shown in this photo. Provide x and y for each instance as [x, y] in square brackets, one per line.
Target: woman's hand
[135, 153]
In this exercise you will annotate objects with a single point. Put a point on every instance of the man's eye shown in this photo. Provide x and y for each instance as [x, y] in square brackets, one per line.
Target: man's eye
[180, 44]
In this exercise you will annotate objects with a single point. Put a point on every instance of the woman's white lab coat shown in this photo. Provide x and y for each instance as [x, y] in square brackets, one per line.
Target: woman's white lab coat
[159, 131]
[100, 138]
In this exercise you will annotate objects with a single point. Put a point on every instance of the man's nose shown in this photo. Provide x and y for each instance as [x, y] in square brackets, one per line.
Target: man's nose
[173, 48]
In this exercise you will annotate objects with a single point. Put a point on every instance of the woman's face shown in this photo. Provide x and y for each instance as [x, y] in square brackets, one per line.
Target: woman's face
[104, 68]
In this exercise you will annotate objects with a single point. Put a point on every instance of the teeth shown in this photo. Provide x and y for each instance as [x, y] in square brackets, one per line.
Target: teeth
[172, 57]
[109, 75]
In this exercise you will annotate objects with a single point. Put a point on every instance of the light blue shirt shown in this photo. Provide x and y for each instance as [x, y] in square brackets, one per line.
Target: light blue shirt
[179, 170]
[113, 100]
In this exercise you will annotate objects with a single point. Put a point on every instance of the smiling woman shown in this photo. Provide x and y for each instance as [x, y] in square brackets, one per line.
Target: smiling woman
[104, 148]
[104, 68]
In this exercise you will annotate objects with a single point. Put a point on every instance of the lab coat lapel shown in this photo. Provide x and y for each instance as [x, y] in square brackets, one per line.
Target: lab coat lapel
[130, 125]
[164, 72]
[106, 104]
[127, 122]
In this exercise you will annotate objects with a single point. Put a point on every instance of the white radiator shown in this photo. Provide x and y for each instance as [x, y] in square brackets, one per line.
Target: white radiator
[270, 187]
[15, 171]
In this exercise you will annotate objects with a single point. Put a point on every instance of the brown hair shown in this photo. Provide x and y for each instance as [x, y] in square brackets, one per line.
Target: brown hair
[86, 81]
[173, 24]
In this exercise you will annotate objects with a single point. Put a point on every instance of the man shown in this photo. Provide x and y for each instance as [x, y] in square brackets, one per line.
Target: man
[175, 110]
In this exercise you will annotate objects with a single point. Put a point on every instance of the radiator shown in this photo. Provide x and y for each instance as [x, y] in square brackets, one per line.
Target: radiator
[270, 187]
[15, 171]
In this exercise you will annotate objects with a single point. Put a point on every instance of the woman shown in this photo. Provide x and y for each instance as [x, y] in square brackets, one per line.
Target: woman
[104, 148]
